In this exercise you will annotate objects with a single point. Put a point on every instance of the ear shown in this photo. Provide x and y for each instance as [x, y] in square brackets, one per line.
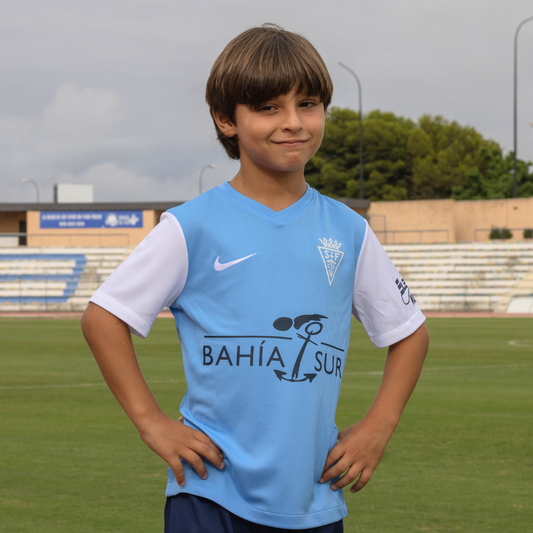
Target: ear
[224, 124]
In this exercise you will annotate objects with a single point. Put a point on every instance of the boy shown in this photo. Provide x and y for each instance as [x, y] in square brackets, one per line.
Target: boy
[262, 275]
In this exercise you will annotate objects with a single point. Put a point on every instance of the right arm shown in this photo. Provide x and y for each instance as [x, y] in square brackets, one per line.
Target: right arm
[110, 341]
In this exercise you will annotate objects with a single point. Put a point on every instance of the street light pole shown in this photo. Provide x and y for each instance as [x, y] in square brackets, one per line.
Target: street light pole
[202, 173]
[26, 180]
[515, 176]
[361, 174]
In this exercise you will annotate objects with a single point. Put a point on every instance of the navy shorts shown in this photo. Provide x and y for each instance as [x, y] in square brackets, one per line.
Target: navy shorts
[186, 513]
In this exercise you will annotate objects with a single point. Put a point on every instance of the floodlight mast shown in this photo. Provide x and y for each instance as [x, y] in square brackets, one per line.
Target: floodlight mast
[361, 174]
[27, 180]
[201, 174]
[515, 176]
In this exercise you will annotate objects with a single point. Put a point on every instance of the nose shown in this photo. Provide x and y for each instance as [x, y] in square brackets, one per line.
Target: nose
[291, 120]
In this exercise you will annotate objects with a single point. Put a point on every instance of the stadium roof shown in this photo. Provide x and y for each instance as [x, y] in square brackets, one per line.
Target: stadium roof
[353, 203]
[95, 206]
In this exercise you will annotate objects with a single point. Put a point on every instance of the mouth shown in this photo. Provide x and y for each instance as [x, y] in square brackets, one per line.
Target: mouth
[289, 143]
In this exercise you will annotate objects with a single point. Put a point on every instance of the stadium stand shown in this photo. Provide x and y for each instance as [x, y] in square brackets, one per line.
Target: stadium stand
[521, 298]
[51, 279]
[464, 277]
[495, 276]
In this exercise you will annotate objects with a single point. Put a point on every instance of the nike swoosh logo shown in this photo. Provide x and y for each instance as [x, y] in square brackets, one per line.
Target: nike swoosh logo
[219, 267]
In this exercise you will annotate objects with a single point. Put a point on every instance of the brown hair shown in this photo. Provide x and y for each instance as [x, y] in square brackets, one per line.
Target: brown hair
[261, 64]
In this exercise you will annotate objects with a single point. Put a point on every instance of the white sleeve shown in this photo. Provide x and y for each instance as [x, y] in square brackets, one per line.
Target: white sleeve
[151, 278]
[382, 301]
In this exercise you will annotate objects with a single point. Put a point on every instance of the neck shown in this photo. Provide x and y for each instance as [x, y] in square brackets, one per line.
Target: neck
[276, 190]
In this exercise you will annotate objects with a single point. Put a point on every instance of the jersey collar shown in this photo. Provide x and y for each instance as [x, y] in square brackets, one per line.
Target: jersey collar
[292, 211]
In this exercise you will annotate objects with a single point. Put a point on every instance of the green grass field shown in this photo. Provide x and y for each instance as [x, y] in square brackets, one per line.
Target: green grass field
[461, 459]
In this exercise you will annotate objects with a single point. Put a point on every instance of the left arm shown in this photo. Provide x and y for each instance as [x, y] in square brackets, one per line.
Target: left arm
[360, 447]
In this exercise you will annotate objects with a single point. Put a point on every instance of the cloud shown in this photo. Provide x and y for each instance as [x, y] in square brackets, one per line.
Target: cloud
[79, 127]
[119, 85]
[81, 113]
[114, 183]
[82, 135]
[79, 116]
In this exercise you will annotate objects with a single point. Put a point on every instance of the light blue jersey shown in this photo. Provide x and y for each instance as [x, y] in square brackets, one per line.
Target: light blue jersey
[263, 312]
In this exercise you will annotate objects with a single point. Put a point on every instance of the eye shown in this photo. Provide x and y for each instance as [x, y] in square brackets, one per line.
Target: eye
[308, 103]
[267, 107]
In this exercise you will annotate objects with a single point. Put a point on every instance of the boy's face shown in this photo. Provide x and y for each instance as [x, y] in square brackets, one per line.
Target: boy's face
[282, 135]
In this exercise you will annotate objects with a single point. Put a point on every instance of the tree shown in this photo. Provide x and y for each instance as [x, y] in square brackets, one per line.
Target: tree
[403, 160]
[453, 150]
[494, 178]
[334, 170]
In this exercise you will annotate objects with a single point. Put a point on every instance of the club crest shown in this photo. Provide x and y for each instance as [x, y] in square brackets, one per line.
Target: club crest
[331, 255]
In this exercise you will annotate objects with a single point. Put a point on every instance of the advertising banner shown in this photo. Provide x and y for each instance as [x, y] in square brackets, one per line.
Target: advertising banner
[91, 219]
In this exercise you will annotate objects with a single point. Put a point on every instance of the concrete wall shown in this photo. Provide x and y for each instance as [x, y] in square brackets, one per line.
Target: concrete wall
[402, 222]
[514, 214]
[434, 221]
[88, 236]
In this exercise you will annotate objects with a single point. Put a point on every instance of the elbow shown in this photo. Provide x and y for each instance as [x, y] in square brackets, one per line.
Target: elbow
[417, 341]
[86, 321]
[423, 339]
[89, 320]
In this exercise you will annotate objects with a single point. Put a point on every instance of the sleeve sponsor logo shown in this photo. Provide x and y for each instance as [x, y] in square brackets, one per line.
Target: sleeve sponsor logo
[405, 293]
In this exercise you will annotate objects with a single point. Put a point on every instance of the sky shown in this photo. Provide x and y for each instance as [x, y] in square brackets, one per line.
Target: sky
[111, 92]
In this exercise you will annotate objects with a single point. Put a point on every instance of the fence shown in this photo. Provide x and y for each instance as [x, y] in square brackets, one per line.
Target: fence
[100, 240]
[88, 284]
[49, 294]
[459, 302]
[518, 235]
[417, 232]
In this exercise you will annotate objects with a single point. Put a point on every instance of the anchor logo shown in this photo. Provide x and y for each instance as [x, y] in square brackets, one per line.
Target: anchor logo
[314, 327]
[262, 351]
